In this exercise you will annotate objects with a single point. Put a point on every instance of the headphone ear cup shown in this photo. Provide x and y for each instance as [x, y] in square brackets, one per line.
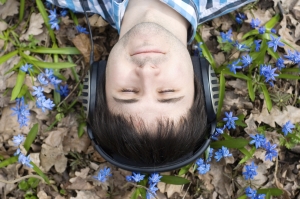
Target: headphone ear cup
[206, 75]
[92, 79]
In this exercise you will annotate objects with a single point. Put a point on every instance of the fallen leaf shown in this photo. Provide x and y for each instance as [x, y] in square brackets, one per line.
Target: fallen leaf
[3, 26]
[277, 116]
[6, 66]
[35, 26]
[42, 195]
[72, 142]
[85, 195]
[53, 156]
[56, 137]
[97, 21]
[10, 8]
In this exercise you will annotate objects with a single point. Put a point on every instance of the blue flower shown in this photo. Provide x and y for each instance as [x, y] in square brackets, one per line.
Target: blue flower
[270, 151]
[129, 178]
[294, 57]
[280, 63]
[137, 177]
[44, 103]
[42, 79]
[54, 81]
[250, 171]
[259, 140]
[17, 152]
[210, 154]
[234, 65]
[223, 152]
[18, 139]
[48, 5]
[218, 132]
[230, 121]
[38, 91]
[25, 68]
[63, 12]
[54, 24]
[238, 20]
[254, 23]
[268, 73]
[203, 168]
[64, 91]
[250, 193]
[257, 45]
[22, 112]
[226, 37]
[287, 128]
[241, 15]
[49, 72]
[103, 174]
[260, 196]
[275, 42]
[246, 60]
[48, 104]
[52, 15]
[154, 178]
[262, 30]
[241, 47]
[152, 191]
[81, 29]
[25, 160]
[273, 31]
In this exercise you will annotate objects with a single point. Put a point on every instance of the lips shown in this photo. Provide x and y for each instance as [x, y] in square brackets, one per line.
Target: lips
[147, 51]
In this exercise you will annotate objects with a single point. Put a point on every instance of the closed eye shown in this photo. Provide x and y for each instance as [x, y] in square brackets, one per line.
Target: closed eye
[167, 91]
[129, 91]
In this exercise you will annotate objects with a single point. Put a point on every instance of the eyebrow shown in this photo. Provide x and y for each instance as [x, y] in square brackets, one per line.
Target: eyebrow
[130, 101]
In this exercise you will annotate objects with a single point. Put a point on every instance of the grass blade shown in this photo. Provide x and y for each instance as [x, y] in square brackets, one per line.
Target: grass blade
[267, 97]
[52, 65]
[6, 57]
[61, 51]
[31, 136]
[251, 90]
[221, 94]
[18, 86]
[174, 180]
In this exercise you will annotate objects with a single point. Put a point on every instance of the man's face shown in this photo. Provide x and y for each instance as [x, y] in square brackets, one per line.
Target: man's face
[150, 75]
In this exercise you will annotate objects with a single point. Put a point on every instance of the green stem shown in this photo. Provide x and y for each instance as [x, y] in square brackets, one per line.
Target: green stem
[22, 178]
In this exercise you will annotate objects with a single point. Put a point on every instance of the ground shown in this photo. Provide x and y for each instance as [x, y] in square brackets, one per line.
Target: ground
[63, 151]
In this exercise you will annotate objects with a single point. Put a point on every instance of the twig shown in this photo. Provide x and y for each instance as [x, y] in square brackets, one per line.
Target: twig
[22, 178]
[296, 93]
[187, 190]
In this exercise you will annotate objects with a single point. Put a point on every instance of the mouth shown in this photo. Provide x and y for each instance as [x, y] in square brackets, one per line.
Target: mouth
[147, 51]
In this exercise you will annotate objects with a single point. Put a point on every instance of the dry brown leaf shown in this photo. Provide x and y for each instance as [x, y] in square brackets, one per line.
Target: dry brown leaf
[9, 64]
[53, 156]
[42, 195]
[79, 182]
[262, 15]
[86, 195]
[97, 21]
[240, 86]
[83, 44]
[170, 189]
[73, 143]
[56, 137]
[277, 116]
[3, 26]
[224, 21]
[10, 8]
[35, 26]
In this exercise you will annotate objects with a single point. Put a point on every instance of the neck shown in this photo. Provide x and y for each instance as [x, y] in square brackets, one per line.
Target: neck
[139, 11]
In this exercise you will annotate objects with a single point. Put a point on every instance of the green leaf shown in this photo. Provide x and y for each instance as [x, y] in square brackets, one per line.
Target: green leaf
[234, 143]
[272, 191]
[206, 52]
[18, 86]
[297, 69]
[240, 121]
[259, 57]
[33, 182]
[61, 51]
[31, 136]
[24, 91]
[185, 169]
[135, 194]
[81, 128]
[288, 76]
[3, 1]
[275, 55]
[238, 75]
[9, 161]
[221, 94]
[52, 65]
[21, 10]
[272, 22]
[242, 197]
[23, 185]
[174, 180]
[6, 57]
[250, 90]
[267, 97]
[248, 154]
[40, 173]
[250, 33]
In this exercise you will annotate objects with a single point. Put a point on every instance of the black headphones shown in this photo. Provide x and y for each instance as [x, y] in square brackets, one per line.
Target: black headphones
[204, 73]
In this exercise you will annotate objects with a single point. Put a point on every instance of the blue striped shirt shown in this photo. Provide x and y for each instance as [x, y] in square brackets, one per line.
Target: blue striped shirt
[195, 11]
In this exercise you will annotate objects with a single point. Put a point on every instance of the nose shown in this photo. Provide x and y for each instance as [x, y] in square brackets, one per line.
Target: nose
[147, 67]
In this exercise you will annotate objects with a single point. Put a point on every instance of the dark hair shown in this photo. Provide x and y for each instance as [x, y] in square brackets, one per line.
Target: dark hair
[118, 135]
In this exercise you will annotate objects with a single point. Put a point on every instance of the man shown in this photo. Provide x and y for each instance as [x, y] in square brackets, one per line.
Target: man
[150, 108]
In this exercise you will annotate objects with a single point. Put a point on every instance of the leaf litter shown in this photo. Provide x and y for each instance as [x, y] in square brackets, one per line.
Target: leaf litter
[53, 148]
